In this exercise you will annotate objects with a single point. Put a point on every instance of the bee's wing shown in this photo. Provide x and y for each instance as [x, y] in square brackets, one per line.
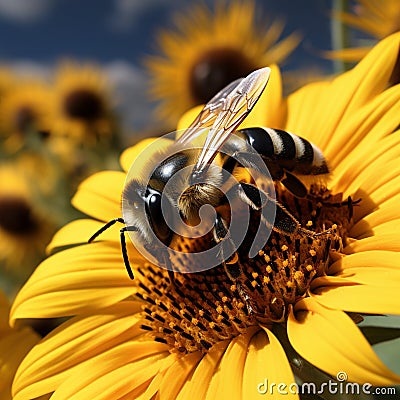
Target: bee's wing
[224, 113]
[208, 114]
[229, 113]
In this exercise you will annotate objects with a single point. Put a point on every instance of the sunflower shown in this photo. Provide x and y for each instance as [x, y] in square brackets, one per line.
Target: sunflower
[82, 109]
[25, 111]
[377, 18]
[14, 345]
[24, 229]
[194, 338]
[209, 49]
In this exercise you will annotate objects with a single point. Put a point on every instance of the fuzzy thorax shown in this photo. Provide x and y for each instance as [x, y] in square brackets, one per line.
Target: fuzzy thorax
[196, 196]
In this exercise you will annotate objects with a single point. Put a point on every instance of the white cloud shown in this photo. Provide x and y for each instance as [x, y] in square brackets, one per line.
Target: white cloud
[27, 68]
[133, 106]
[25, 10]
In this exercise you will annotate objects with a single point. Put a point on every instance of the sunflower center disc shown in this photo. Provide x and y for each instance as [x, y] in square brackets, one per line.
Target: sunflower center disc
[198, 310]
[16, 215]
[216, 69]
[83, 104]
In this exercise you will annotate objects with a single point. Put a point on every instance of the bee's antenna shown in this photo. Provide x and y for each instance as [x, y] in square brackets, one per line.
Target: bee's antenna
[122, 238]
[105, 227]
[124, 250]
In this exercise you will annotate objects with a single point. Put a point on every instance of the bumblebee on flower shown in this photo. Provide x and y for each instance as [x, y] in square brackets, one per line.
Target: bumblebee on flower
[107, 348]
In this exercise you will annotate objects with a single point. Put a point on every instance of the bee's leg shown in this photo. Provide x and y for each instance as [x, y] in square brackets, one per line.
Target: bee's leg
[294, 185]
[231, 264]
[349, 203]
[283, 222]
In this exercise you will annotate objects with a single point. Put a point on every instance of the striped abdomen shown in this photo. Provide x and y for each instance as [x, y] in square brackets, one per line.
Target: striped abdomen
[286, 150]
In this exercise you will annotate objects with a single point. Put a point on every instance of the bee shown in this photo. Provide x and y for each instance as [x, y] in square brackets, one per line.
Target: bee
[288, 158]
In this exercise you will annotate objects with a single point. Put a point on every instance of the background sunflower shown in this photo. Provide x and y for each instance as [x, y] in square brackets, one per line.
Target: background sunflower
[25, 112]
[25, 227]
[209, 49]
[83, 101]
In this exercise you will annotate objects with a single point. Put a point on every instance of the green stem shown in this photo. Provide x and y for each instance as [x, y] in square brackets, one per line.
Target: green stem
[339, 35]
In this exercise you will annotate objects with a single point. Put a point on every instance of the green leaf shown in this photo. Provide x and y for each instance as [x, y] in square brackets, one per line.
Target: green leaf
[378, 334]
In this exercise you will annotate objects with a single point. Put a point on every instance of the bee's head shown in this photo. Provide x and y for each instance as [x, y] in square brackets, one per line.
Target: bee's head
[142, 207]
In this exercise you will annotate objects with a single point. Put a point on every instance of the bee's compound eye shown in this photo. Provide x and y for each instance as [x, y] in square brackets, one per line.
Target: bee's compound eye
[157, 220]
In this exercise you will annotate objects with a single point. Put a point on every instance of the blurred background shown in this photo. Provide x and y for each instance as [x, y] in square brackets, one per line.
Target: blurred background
[118, 35]
[82, 80]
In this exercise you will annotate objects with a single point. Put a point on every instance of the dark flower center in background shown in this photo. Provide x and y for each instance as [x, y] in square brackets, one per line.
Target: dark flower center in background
[83, 104]
[24, 119]
[16, 215]
[216, 69]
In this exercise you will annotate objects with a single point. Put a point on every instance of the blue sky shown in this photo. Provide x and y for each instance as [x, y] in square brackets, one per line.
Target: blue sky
[105, 30]
[35, 34]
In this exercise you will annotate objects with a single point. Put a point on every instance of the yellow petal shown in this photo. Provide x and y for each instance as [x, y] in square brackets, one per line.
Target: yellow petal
[188, 117]
[13, 348]
[366, 288]
[363, 282]
[79, 339]
[266, 363]
[367, 299]
[70, 281]
[112, 374]
[350, 54]
[373, 174]
[322, 109]
[99, 195]
[197, 383]
[226, 382]
[368, 124]
[362, 262]
[386, 228]
[154, 386]
[175, 377]
[330, 340]
[384, 241]
[79, 231]
[379, 199]
[386, 212]
[139, 154]
[301, 116]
